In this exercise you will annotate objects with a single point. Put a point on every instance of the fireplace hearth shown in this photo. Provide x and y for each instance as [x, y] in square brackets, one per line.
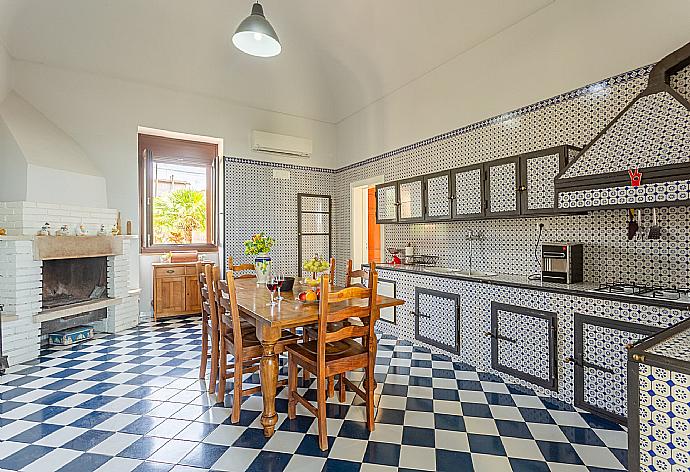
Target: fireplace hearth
[71, 281]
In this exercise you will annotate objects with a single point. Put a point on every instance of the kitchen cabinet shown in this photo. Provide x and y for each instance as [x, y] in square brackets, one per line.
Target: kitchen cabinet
[600, 358]
[521, 185]
[468, 200]
[437, 318]
[503, 187]
[411, 200]
[523, 343]
[538, 171]
[175, 289]
[387, 203]
[437, 197]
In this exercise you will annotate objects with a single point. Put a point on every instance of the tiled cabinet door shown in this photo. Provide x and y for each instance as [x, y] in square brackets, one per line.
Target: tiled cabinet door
[503, 187]
[436, 318]
[538, 171]
[437, 196]
[600, 358]
[523, 343]
[411, 200]
[387, 203]
[468, 192]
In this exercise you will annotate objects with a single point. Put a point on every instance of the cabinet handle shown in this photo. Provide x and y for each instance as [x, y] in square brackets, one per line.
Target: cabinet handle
[569, 360]
[488, 333]
[170, 271]
[638, 357]
[521, 188]
[628, 346]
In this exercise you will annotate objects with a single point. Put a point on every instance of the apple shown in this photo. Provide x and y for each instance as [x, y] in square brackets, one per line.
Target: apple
[303, 296]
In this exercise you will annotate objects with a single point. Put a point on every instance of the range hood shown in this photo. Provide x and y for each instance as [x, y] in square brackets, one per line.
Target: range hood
[642, 158]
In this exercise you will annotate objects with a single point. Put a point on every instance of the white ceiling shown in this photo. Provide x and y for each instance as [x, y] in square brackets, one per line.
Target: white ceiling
[338, 56]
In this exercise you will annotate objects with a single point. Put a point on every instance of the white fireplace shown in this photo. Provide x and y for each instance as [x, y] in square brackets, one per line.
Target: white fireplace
[24, 256]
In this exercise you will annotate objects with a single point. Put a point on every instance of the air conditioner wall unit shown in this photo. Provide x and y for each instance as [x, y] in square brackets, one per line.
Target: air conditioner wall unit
[273, 143]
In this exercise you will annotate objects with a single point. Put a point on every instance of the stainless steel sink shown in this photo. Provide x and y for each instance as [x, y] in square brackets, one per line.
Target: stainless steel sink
[466, 273]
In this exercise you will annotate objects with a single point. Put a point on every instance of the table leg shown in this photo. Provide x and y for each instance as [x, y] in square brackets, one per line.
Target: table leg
[268, 370]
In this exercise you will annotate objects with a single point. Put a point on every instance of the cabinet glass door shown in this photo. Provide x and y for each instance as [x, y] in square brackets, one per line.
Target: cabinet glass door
[468, 192]
[503, 187]
[386, 203]
[437, 195]
[411, 200]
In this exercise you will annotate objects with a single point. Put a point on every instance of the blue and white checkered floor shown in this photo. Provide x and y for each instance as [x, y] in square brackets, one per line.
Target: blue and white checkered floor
[133, 402]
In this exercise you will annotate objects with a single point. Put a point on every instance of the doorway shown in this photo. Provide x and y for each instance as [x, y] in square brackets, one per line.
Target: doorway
[366, 236]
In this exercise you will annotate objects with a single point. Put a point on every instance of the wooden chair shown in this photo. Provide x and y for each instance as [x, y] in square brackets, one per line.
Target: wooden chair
[336, 352]
[360, 274]
[331, 271]
[209, 329]
[240, 341]
[236, 269]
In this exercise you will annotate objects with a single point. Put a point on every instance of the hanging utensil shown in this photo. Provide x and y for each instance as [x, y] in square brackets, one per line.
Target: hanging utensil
[632, 225]
[655, 229]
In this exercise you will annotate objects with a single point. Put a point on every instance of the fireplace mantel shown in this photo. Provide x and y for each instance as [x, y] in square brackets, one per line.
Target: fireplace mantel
[72, 247]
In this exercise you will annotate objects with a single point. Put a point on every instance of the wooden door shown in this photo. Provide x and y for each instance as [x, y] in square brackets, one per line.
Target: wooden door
[193, 295]
[169, 296]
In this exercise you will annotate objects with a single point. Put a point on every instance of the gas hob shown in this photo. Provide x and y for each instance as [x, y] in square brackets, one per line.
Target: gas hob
[646, 291]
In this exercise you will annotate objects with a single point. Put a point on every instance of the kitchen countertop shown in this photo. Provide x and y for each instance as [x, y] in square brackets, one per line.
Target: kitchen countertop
[521, 281]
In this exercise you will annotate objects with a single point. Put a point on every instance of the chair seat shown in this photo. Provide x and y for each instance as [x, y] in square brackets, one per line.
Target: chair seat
[250, 341]
[334, 351]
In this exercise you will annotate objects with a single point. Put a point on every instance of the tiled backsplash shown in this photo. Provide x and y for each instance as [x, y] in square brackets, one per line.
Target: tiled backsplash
[256, 201]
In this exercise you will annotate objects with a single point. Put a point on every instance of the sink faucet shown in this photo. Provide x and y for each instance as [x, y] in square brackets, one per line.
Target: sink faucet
[472, 235]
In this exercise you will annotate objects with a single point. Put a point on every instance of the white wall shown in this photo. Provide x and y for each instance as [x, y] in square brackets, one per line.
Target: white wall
[103, 114]
[5, 63]
[564, 46]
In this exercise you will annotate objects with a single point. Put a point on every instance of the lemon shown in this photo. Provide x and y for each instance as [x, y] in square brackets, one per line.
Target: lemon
[311, 296]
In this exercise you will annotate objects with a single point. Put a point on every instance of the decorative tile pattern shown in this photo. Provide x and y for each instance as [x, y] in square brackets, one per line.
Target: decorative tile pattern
[411, 200]
[605, 347]
[675, 347]
[673, 191]
[387, 199]
[653, 122]
[541, 172]
[502, 188]
[664, 419]
[437, 318]
[529, 351]
[437, 193]
[468, 192]
[475, 319]
[133, 402]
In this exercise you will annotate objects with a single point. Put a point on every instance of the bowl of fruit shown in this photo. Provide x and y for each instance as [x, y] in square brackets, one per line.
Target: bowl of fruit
[316, 266]
[308, 297]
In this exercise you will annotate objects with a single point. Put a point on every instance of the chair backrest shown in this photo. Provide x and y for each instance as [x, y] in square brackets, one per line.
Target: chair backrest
[331, 272]
[207, 294]
[226, 296]
[236, 269]
[350, 302]
[361, 274]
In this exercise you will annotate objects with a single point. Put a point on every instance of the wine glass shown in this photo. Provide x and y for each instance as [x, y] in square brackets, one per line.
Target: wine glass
[271, 285]
[280, 278]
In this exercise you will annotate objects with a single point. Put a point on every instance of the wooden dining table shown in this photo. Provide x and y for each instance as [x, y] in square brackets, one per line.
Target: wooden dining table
[253, 301]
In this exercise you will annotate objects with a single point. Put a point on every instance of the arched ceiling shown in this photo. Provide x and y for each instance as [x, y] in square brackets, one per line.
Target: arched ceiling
[338, 55]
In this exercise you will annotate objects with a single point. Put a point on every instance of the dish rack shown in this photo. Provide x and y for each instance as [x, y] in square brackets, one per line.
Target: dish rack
[421, 260]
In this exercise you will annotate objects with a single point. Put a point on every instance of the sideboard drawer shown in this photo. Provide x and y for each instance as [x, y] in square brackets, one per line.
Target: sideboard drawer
[174, 271]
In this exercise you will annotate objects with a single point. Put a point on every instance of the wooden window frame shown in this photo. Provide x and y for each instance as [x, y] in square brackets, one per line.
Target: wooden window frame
[151, 146]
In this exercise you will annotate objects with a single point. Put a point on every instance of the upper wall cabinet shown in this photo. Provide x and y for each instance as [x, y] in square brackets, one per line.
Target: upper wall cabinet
[468, 200]
[411, 200]
[520, 185]
[538, 171]
[503, 187]
[387, 203]
[437, 196]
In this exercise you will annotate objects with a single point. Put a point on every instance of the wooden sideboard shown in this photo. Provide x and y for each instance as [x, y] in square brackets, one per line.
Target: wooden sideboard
[175, 289]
